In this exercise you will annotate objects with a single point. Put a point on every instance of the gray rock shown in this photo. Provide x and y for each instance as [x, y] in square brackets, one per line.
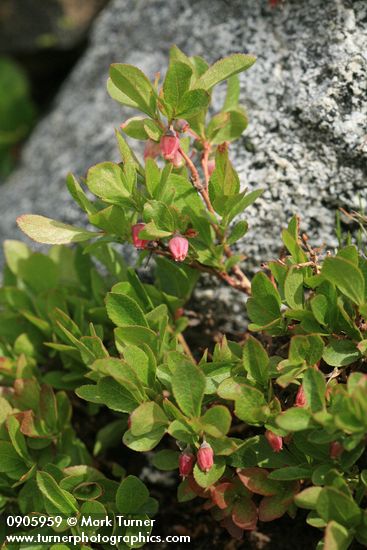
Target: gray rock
[306, 97]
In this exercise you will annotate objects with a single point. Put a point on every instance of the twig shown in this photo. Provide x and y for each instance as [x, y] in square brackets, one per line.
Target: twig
[243, 282]
[186, 348]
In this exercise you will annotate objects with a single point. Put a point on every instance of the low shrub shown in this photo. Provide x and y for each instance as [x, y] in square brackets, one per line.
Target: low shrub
[256, 428]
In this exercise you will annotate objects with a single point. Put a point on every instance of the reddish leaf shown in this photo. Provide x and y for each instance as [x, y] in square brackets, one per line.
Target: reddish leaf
[219, 515]
[244, 514]
[256, 480]
[235, 531]
[222, 494]
[273, 507]
[26, 423]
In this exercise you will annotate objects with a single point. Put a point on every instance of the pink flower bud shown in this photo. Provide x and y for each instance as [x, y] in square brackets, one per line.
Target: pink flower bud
[178, 247]
[191, 232]
[152, 149]
[186, 463]
[135, 230]
[181, 125]
[169, 145]
[211, 166]
[205, 457]
[275, 441]
[300, 398]
[179, 313]
[335, 449]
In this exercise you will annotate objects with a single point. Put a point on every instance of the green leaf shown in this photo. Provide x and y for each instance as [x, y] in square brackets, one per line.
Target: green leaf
[115, 396]
[238, 231]
[131, 495]
[192, 103]
[119, 96]
[89, 392]
[132, 82]
[146, 418]
[174, 278]
[293, 288]
[308, 498]
[307, 348]
[291, 242]
[239, 202]
[233, 93]
[294, 419]
[15, 253]
[10, 462]
[175, 55]
[256, 360]
[337, 537]
[145, 442]
[124, 311]
[250, 406]
[216, 421]
[151, 232]
[60, 499]
[333, 504]
[320, 309]
[224, 182]
[227, 126]
[158, 212]
[5, 410]
[30, 269]
[340, 353]
[78, 194]
[112, 220]
[134, 127]
[346, 276]
[262, 287]
[175, 84]
[48, 406]
[291, 473]
[315, 387]
[152, 176]
[206, 479]
[127, 156]
[188, 385]
[223, 69]
[166, 460]
[264, 305]
[153, 130]
[134, 334]
[107, 181]
[48, 231]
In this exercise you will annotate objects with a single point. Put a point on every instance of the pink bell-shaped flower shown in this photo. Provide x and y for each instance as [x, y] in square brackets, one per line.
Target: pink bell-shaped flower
[275, 441]
[300, 398]
[178, 247]
[169, 145]
[186, 463]
[335, 449]
[135, 230]
[205, 457]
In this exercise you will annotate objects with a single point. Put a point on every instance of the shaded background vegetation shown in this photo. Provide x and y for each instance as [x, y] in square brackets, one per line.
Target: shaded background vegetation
[39, 44]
